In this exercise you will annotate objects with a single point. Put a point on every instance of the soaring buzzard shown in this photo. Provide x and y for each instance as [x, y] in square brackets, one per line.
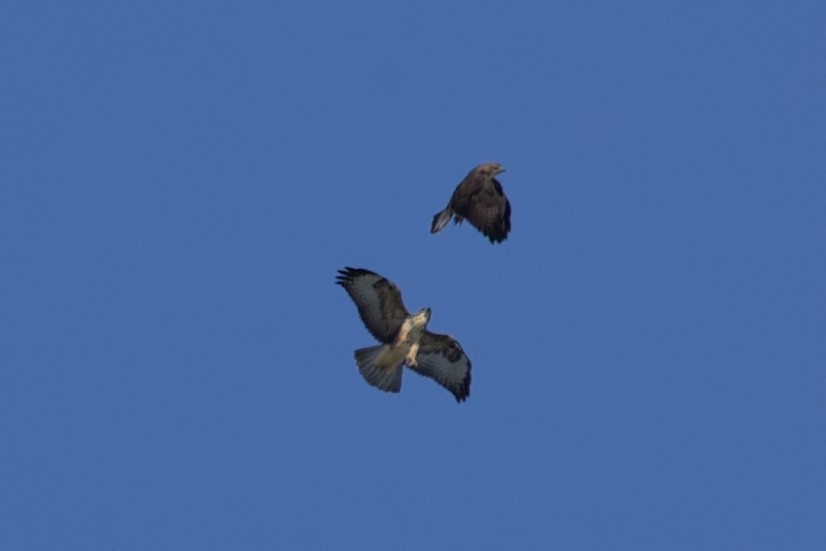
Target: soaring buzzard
[480, 199]
[405, 338]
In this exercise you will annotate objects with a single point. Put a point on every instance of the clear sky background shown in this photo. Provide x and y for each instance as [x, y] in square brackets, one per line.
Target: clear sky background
[180, 182]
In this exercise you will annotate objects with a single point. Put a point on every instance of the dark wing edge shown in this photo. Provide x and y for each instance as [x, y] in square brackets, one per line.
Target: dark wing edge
[378, 300]
[490, 212]
[442, 359]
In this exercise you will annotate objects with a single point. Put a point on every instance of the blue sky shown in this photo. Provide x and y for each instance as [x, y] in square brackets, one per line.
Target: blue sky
[181, 181]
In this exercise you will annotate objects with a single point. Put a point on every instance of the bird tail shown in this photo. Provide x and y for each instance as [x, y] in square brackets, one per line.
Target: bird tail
[379, 369]
[441, 219]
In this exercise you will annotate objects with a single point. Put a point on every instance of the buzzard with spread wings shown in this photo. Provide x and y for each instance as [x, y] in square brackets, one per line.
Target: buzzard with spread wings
[404, 337]
[480, 199]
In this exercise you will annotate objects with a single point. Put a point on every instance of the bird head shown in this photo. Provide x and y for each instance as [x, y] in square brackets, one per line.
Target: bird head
[491, 169]
[425, 313]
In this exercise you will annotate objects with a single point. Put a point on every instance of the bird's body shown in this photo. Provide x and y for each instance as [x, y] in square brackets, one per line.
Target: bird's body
[479, 198]
[404, 337]
[405, 346]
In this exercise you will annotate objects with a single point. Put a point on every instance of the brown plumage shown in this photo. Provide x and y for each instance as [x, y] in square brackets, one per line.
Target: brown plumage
[404, 337]
[480, 199]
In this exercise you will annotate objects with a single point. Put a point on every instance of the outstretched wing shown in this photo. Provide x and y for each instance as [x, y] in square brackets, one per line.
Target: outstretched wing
[378, 300]
[442, 359]
[490, 211]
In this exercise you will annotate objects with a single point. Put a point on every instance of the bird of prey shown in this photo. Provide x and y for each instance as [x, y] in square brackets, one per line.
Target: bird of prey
[480, 199]
[404, 337]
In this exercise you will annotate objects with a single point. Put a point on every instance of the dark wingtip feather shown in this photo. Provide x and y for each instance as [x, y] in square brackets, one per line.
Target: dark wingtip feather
[464, 391]
[344, 276]
[347, 274]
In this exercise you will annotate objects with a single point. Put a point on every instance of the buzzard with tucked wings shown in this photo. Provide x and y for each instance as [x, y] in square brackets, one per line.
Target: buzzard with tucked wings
[404, 337]
[480, 199]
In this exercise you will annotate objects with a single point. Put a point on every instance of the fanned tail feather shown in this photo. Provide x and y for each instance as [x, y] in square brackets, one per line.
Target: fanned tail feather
[386, 378]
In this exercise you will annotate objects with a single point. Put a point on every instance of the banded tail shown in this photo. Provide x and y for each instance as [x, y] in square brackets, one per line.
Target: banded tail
[373, 366]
